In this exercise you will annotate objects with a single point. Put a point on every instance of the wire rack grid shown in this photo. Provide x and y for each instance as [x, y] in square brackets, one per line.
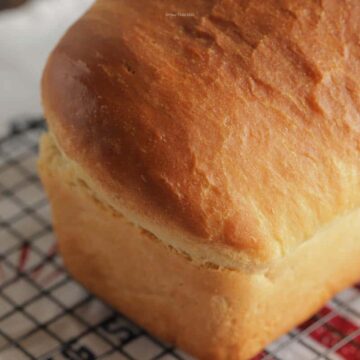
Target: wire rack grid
[46, 315]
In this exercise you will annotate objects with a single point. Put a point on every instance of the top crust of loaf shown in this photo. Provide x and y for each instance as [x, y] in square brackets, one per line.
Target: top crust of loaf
[235, 124]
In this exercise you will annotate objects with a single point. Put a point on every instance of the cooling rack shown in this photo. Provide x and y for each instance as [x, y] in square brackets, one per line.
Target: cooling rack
[45, 314]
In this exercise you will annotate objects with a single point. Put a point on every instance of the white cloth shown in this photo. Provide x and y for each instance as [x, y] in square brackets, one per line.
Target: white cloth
[27, 35]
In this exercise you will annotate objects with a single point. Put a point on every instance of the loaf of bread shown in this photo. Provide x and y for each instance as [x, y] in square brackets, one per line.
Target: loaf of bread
[203, 163]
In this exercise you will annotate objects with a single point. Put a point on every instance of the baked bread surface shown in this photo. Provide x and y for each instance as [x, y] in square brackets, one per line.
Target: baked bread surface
[202, 163]
[233, 131]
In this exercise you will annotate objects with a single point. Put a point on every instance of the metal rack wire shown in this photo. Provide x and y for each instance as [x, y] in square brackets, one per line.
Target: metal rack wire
[46, 315]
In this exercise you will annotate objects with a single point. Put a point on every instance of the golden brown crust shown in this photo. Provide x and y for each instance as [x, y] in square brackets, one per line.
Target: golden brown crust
[236, 127]
[214, 314]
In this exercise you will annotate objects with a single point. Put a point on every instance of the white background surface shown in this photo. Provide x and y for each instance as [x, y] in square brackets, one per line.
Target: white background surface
[27, 35]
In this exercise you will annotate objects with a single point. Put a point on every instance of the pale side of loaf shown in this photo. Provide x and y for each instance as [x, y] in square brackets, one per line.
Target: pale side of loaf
[225, 142]
[212, 313]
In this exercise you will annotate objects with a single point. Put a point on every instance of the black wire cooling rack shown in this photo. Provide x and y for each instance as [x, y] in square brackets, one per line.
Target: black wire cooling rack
[46, 315]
